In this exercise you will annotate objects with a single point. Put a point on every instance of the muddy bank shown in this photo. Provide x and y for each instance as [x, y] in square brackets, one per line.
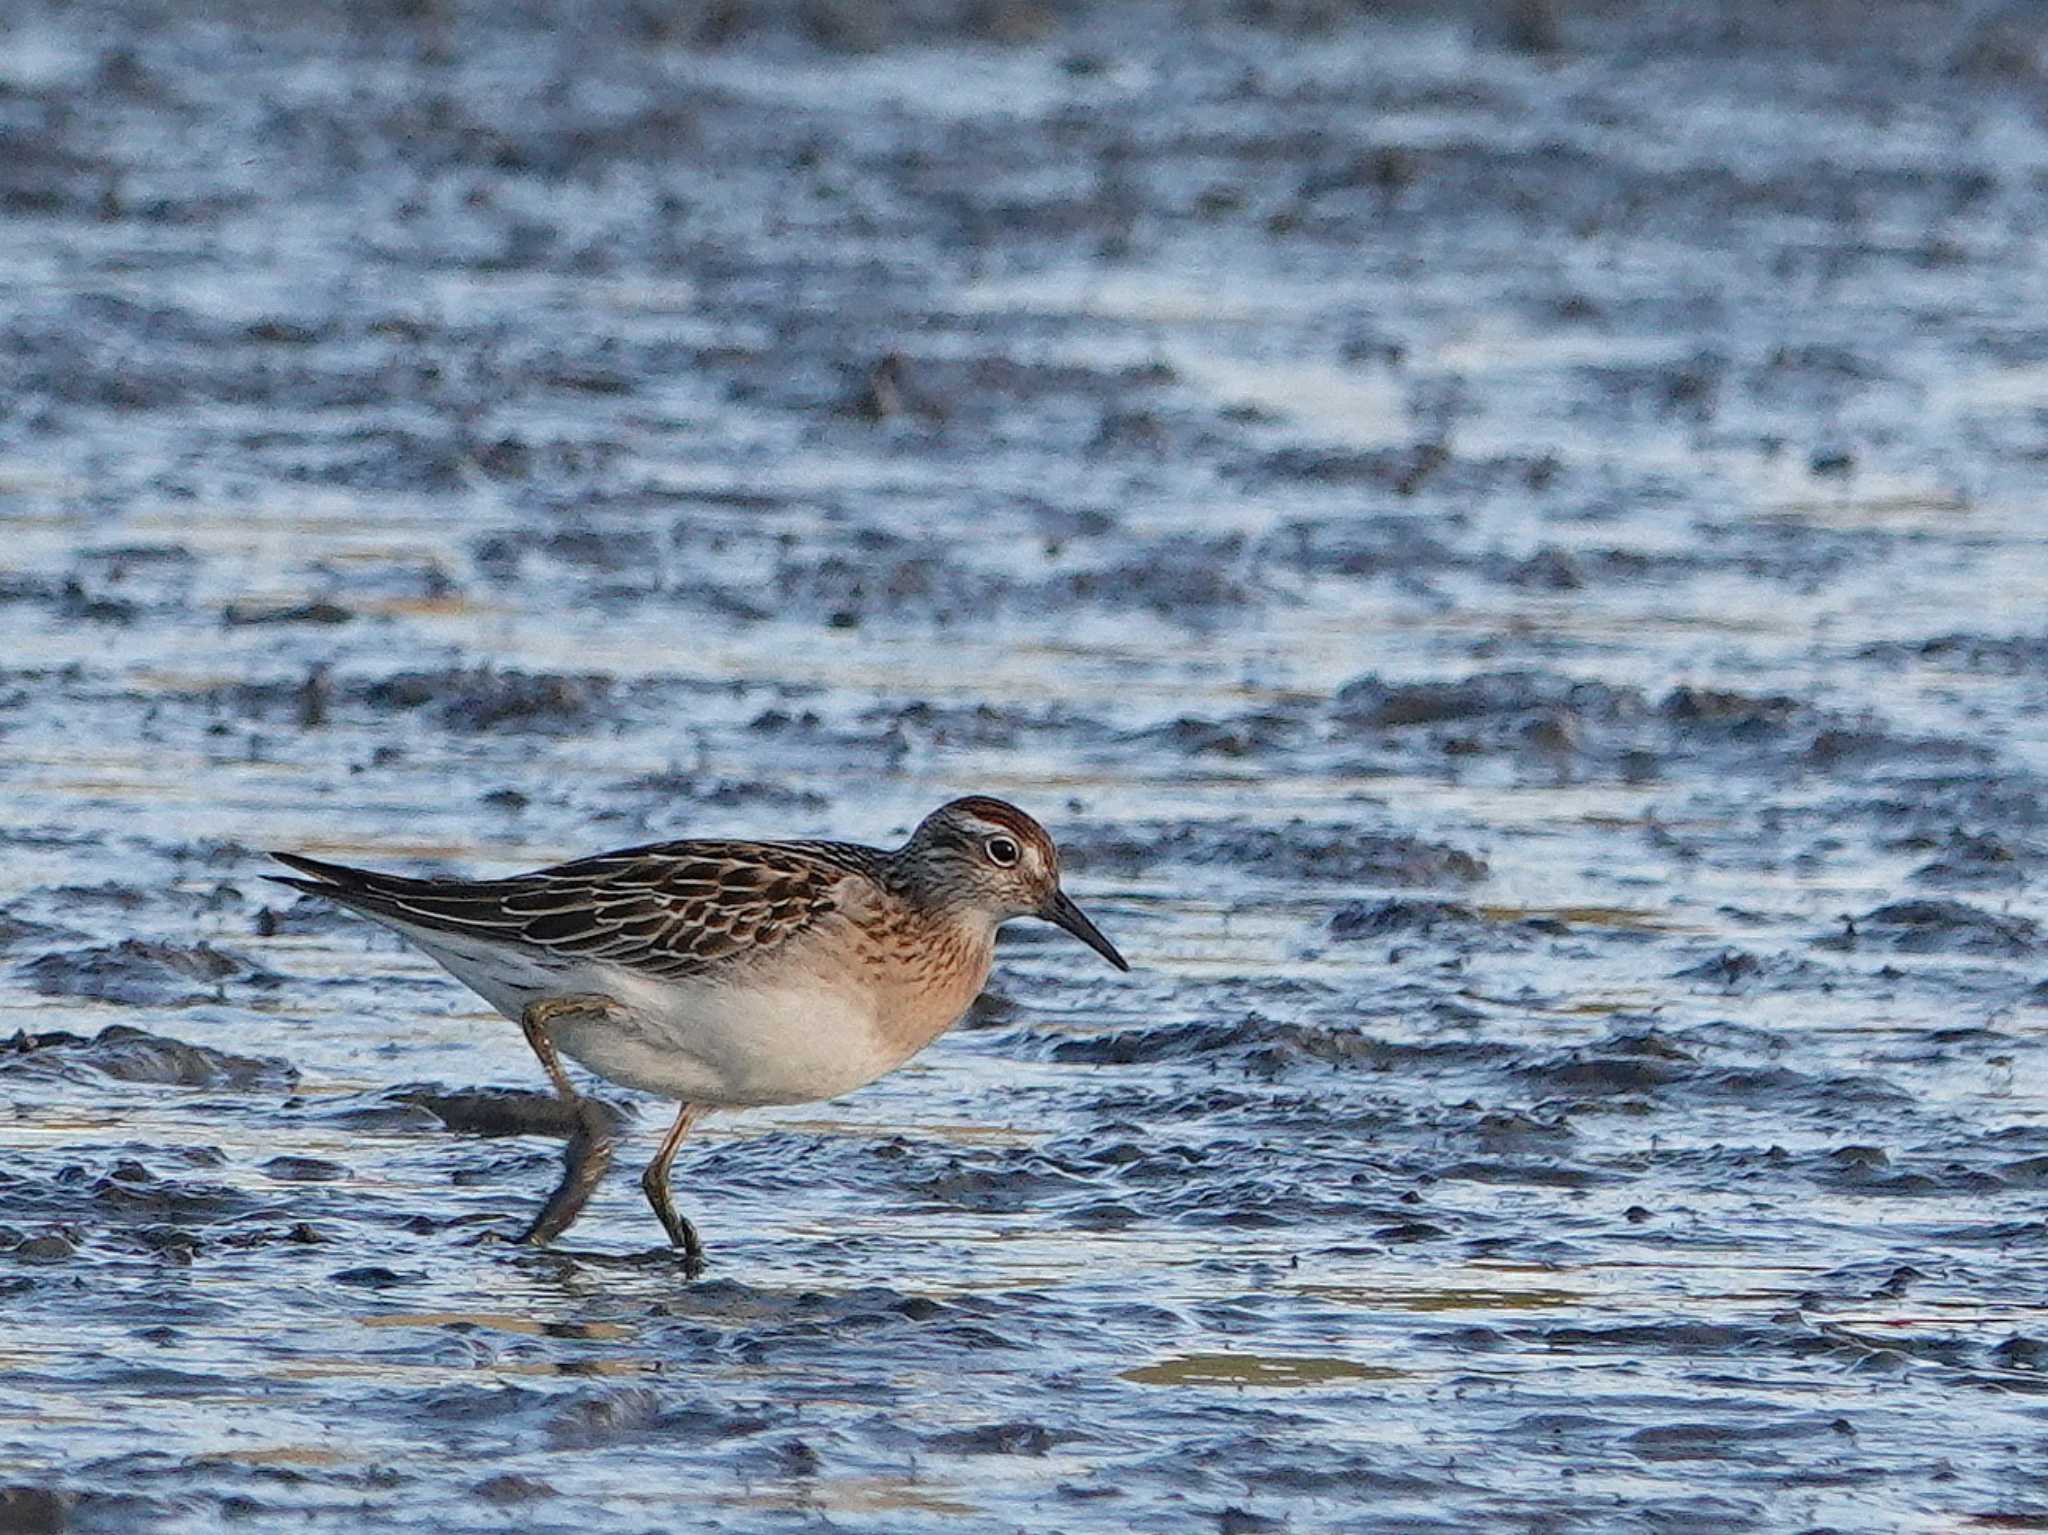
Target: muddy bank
[1502, 538]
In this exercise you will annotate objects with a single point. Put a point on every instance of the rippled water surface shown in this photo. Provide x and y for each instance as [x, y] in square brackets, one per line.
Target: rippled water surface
[1510, 555]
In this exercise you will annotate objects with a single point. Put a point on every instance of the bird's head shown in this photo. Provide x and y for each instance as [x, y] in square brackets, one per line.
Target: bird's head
[986, 856]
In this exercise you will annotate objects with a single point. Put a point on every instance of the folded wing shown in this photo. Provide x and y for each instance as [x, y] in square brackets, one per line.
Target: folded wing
[670, 910]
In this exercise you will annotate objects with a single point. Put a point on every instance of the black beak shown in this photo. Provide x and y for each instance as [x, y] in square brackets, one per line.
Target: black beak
[1061, 911]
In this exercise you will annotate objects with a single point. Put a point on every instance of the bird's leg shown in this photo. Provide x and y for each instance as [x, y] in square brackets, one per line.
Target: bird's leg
[654, 1183]
[589, 1151]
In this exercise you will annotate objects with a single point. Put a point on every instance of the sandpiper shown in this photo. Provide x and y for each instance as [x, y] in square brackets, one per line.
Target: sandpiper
[727, 974]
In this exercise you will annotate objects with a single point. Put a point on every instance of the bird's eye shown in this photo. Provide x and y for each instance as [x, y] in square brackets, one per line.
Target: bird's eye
[1002, 852]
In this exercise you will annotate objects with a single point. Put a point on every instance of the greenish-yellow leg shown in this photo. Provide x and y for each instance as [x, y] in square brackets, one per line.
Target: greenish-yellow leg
[654, 1182]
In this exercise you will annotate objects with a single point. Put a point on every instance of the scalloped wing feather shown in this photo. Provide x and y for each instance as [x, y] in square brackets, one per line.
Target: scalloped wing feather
[669, 910]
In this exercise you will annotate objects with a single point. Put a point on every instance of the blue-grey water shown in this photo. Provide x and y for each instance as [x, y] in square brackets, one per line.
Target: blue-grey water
[1508, 546]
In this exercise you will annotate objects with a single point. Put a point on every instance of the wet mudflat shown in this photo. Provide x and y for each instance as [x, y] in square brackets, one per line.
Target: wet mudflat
[1511, 556]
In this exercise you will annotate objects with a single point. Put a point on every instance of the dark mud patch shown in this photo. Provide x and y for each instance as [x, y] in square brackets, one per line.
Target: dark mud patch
[290, 1169]
[1738, 969]
[1013, 1438]
[2026, 654]
[125, 1054]
[1940, 927]
[1262, 1046]
[483, 698]
[17, 931]
[1374, 704]
[307, 915]
[1187, 581]
[1451, 923]
[1547, 718]
[139, 973]
[249, 615]
[461, 700]
[1314, 852]
[162, 1212]
[670, 785]
[1973, 861]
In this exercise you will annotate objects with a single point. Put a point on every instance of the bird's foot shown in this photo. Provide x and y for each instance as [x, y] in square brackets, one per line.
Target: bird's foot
[682, 1236]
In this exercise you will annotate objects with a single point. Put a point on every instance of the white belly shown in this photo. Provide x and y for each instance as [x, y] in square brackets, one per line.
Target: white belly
[793, 1040]
[796, 1041]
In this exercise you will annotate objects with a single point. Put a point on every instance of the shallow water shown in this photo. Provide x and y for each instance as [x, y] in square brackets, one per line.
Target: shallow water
[1517, 578]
